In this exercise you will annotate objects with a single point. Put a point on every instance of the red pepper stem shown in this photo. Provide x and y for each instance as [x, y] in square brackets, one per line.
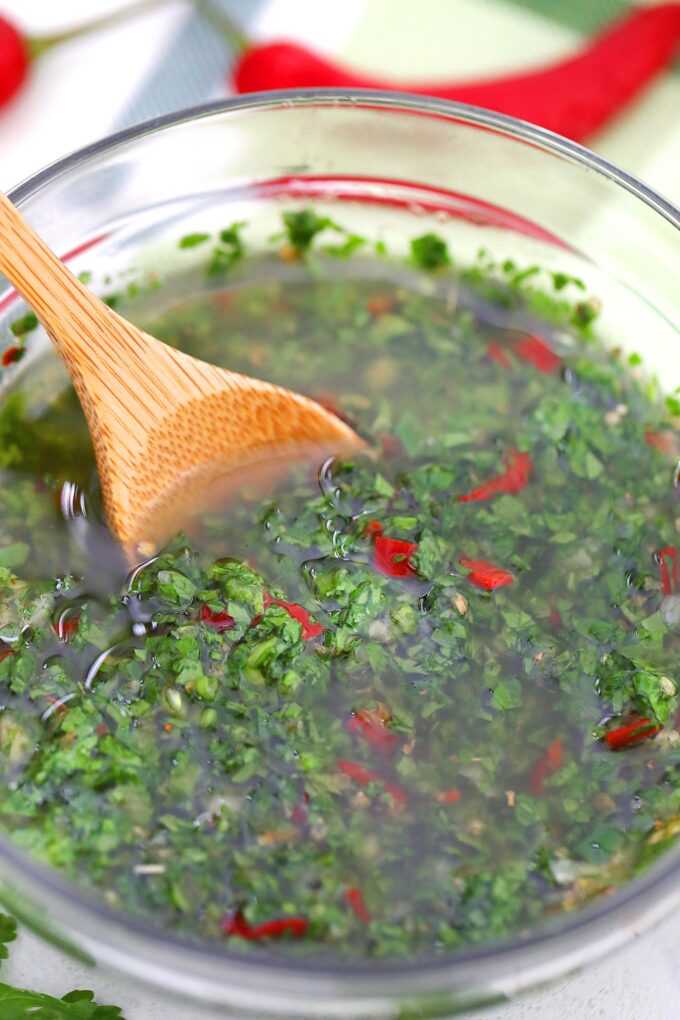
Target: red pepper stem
[235, 36]
[37, 45]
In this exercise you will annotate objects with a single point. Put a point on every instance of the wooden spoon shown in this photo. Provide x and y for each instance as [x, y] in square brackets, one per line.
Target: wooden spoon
[165, 426]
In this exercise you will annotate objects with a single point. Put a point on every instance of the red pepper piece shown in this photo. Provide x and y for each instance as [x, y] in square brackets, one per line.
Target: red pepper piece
[518, 467]
[101, 730]
[220, 622]
[669, 578]
[546, 765]
[632, 733]
[496, 353]
[575, 96]
[65, 629]
[485, 574]
[296, 612]
[235, 924]
[449, 796]
[373, 529]
[663, 441]
[363, 776]
[380, 304]
[14, 60]
[537, 353]
[391, 555]
[5, 652]
[299, 813]
[12, 355]
[556, 619]
[371, 725]
[357, 902]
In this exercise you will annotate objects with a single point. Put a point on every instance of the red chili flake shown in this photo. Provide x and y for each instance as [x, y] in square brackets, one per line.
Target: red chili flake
[632, 733]
[518, 467]
[299, 814]
[5, 652]
[496, 353]
[371, 725]
[220, 622]
[167, 727]
[449, 796]
[235, 924]
[391, 556]
[102, 730]
[485, 574]
[669, 578]
[11, 355]
[373, 529]
[356, 901]
[380, 304]
[296, 612]
[65, 629]
[537, 353]
[663, 441]
[363, 776]
[556, 619]
[548, 763]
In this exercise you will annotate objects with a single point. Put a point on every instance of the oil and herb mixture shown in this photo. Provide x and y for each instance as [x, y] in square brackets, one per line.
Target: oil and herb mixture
[393, 706]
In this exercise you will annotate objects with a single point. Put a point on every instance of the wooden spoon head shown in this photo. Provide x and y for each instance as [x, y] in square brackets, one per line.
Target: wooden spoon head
[180, 453]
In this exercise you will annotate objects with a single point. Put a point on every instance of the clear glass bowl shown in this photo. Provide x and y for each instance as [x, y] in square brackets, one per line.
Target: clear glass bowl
[393, 165]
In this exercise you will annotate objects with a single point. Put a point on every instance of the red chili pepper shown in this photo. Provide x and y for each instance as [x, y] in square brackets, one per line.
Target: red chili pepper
[371, 725]
[574, 97]
[633, 733]
[546, 765]
[485, 574]
[449, 796]
[518, 467]
[235, 924]
[380, 304]
[663, 441]
[220, 622]
[537, 353]
[12, 355]
[101, 730]
[497, 354]
[65, 629]
[362, 777]
[5, 652]
[669, 579]
[373, 529]
[357, 902]
[391, 555]
[167, 727]
[296, 612]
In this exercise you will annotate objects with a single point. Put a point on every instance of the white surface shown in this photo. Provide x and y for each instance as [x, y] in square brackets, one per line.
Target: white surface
[75, 95]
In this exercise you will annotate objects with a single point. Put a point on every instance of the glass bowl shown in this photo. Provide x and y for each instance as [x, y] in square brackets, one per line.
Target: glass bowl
[393, 165]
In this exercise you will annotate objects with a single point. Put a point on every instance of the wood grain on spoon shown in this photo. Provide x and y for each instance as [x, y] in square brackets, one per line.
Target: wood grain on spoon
[165, 426]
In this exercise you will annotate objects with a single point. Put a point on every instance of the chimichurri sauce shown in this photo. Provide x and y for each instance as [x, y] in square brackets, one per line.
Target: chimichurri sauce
[390, 706]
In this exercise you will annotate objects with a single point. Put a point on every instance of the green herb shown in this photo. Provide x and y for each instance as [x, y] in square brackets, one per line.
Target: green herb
[430, 252]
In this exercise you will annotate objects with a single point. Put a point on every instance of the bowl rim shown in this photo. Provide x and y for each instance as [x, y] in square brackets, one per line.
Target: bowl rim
[324, 974]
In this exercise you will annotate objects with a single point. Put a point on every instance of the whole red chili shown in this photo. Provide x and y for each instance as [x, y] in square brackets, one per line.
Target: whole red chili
[518, 468]
[357, 902]
[363, 776]
[391, 556]
[537, 353]
[310, 629]
[485, 574]
[371, 725]
[546, 765]
[235, 924]
[220, 622]
[574, 97]
[632, 733]
[669, 578]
